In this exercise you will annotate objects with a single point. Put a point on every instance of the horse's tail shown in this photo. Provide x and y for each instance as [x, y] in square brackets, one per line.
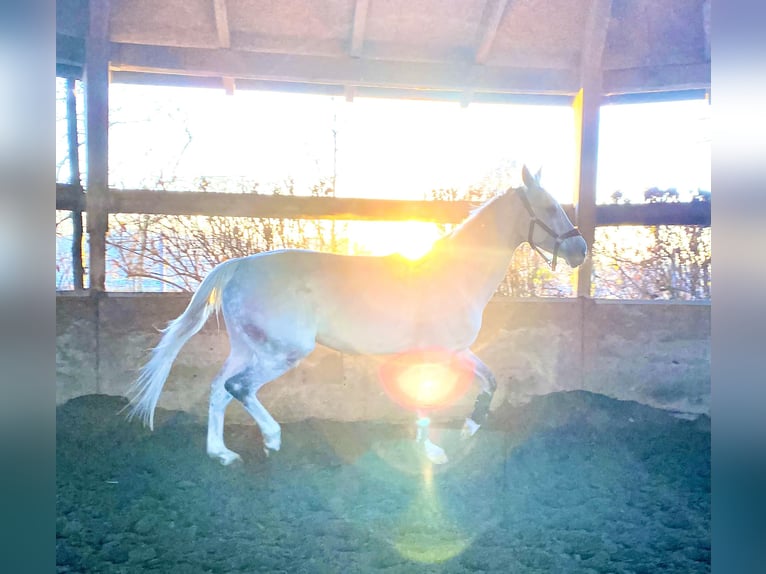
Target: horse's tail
[145, 392]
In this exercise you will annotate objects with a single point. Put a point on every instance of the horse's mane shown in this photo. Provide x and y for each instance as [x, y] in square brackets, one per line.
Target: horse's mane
[475, 217]
[478, 211]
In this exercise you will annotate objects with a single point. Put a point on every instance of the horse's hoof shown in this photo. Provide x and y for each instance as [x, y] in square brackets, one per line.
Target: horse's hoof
[435, 453]
[226, 458]
[469, 429]
[272, 441]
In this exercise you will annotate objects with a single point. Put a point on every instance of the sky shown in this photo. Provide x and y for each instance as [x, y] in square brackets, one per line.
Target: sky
[399, 149]
[385, 148]
[396, 148]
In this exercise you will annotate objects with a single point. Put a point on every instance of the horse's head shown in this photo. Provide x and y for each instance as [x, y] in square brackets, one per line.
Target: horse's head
[549, 228]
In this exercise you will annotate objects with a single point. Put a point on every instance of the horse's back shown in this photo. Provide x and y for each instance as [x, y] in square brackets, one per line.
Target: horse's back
[355, 304]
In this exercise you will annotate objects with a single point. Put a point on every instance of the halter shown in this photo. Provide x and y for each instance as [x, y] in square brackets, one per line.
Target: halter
[559, 239]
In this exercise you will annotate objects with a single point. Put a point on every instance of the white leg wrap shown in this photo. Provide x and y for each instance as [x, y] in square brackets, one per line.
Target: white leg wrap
[434, 452]
[469, 428]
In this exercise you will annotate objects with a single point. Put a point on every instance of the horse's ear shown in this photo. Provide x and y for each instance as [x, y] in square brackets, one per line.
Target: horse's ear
[527, 178]
[538, 175]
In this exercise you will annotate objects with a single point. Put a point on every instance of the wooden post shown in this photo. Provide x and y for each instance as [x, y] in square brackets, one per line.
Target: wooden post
[74, 178]
[587, 104]
[96, 133]
[586, 108]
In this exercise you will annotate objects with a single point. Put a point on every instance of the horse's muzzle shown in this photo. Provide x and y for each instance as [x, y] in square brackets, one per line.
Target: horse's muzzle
[574, 250]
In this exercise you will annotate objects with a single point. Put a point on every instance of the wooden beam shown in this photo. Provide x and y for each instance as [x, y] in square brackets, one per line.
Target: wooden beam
[358, 28]
[474, 77]
[357, 40]
[224, 39]
[340, 70]
[70, 50]
[97, 131]
[222, 23]
[657, 79]
[229, 84]
[285, 207]
[686, 213]
[490, 22]
[70, 197]
[586, 106]
[650, 81]
[594, 39]
[491, 17]
[154, 79]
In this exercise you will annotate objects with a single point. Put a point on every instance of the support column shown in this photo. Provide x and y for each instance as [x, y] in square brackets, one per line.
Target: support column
[96, 133]
[586, 107]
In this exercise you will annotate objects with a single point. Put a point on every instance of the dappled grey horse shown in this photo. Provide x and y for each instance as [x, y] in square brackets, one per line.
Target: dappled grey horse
[278, 305]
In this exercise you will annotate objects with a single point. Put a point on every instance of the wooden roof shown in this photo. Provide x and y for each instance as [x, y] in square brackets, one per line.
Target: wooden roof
[467, 50]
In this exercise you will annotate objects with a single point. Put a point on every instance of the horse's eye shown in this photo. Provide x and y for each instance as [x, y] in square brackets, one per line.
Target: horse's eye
[551, 210]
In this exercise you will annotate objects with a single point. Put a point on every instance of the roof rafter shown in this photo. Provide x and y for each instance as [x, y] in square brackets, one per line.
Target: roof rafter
[594, 39]
[359, 27]
[491, 17]
[222, 23]
[494, 10]
[224, 39]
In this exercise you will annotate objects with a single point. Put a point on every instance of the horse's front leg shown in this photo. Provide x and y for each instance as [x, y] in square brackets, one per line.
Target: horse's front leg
[488, 386]
[433, 451]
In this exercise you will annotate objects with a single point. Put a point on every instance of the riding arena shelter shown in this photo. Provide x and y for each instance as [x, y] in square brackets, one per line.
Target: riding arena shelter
[616, 362]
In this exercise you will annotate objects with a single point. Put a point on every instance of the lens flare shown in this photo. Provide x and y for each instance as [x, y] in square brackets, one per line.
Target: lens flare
[424, 380]
[425, 534]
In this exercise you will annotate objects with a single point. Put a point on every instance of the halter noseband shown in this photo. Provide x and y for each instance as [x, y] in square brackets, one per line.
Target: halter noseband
[559, 239]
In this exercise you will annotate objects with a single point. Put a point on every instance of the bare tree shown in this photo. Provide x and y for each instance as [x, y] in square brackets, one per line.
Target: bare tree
[658, 262]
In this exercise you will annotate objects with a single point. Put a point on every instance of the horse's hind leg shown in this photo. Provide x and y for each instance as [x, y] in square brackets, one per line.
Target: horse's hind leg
[488, 385]
[219, 400]
[269, 362]
[270, 429]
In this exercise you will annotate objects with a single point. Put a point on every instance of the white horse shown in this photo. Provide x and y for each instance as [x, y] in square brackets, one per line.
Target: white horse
[278, 305]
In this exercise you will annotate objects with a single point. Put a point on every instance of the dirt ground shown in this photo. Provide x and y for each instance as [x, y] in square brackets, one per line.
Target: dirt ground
[572, 482]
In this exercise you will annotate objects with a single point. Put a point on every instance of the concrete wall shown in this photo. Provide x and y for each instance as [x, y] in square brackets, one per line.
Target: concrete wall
[654, 353]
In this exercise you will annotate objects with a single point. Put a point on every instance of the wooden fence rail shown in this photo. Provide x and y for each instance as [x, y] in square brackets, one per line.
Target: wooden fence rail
[72, 198]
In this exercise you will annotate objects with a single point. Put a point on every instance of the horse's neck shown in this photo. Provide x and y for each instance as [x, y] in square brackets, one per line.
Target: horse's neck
[480, 250]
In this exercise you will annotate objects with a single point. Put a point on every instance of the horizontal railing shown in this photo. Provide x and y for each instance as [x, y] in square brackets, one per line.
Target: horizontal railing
[72, 197]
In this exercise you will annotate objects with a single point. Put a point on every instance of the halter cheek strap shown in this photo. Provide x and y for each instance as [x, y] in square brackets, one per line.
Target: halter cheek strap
[534, 220]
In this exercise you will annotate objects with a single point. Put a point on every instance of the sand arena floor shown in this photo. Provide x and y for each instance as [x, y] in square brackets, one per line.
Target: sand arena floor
[572, 482]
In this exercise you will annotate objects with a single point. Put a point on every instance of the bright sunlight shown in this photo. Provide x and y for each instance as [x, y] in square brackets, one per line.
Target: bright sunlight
[410, 239]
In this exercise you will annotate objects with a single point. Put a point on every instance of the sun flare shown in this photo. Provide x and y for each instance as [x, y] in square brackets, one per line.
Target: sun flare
[410, 239]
